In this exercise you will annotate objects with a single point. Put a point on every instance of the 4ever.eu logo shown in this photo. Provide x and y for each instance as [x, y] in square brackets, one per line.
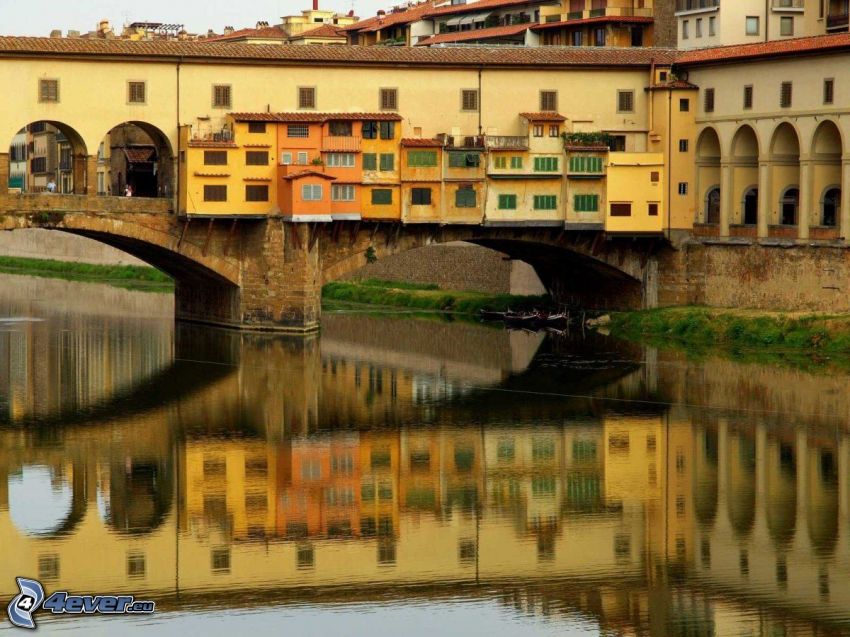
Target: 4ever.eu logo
[32, 598]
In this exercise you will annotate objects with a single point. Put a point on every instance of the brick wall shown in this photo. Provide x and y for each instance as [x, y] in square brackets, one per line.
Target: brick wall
[665, 23]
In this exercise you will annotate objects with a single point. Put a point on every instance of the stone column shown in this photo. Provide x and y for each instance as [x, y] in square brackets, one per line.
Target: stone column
[79, 170]
[4, 173]
[844, 220]
[726, 188]
[805, 208]
[91, 175]
[765, 185]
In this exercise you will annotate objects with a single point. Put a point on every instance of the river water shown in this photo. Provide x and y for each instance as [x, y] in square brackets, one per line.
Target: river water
[412, 477]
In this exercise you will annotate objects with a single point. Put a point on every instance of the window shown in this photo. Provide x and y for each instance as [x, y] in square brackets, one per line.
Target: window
[222, 96]
[712, 26]
[625, 101]
[297, 130]
[469, 100]
[554, 130]
[215, 193]
[387, 162]
[342, 192]
[340, 160]
[465, 197]
[311, 192]
[516, 162]
[285, 159]
[136, 565]
[684, 105]
[301, 158]
[340, 129]
[683, 145]
[422, 158]
[500, 161]
[370, 161]
[255, 192]
[785, 95]
[586, 203]
[599, 37]
[752, 25]
[387, 130]
[652, 209]
[136, 92]
[582, 164]
[48, 90]
[686, 24]
[621, 209]
[683, 187]
[421, 197]
[548, 101]
[576, 38]
[828, 91]
[507, 202]
[215, 158]
[220, 560]
[545, 164]
[306, 97]
[545, 202]
[370, 130]
[786, 26]
[257, 158]
[464, 160]
[537, 130]
[708, 101]
[389, 99]
[256, 127]
[699, 28]
[748, 96]
[382, 196]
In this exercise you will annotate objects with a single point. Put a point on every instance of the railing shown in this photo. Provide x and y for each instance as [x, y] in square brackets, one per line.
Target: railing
[610, 11]
[507, 142]
[838, 21]
[788, 4]
[43, 202]
[696, 5]
[464, 141]
[347, 144]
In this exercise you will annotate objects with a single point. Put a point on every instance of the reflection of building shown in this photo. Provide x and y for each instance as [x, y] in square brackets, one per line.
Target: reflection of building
[18, 156]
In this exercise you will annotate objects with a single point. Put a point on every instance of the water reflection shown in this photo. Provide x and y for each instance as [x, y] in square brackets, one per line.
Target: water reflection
[391, 461]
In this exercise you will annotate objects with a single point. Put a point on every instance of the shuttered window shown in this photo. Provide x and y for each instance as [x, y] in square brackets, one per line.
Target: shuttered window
[465, 197]
[382, 196]
[136, 93]
[516, 162]
[257, 158]
[545, 202]
[306, 97]
[256, 127]
[708, 100]
[625, 101]
[215, 158]
[215, 193]
[469, 100]
[586, 203]
[422, 158]
[828, 91]
[582, 164]
[370, 130]
[256, 192]
[464, 160]
[389, 99]
[421, 197]
[297, 130]
[387, 162]
[507, 202]
[785, 92]
[548, 101]
[748, 96]
[387, 130]
[500, 161]
[370, 161]
[340, 160]
[222, 96]
[342, 192]
[48, 90]
[545, 164]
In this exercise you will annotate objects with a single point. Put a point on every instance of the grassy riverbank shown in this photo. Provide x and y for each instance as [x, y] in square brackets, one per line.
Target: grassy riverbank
[126, 276]
[700, 328]
[424, 297]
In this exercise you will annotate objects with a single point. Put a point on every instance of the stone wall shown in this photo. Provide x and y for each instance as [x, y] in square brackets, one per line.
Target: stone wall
[665, 23]
[456, 266]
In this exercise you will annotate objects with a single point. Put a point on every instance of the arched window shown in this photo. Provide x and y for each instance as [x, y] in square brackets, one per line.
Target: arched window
[751, 206]
[789, 205]
[712, 205]
[830, 206]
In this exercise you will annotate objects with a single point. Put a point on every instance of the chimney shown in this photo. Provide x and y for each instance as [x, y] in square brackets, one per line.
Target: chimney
[56, 33]
[228, 30]
[315, 5]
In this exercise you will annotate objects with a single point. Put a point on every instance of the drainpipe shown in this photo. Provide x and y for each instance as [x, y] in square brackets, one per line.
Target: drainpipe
[177, 180]
[670, 158]
[651, 96]
[766, 20]
[480, 102]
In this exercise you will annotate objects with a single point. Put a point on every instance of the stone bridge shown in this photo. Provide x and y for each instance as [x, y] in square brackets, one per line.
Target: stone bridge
[267, 274]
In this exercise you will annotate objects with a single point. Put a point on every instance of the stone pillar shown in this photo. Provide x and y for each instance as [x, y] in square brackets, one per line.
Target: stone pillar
[4, 173]
[79, 170]
[844, 220]
[765, 185]
[726, 188]
[91, 175]
[805, 208]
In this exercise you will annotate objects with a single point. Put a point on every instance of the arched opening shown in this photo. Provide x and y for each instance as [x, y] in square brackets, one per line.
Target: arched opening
[741, 491]
[140, 495]
[135, 159]
[830, 206]
[822, 510]
[750, 206]
[712, 205]
[47, 500]
[789, 206]
[47, 157]
[827, 150]
[708, 173]
[707, 483]
[781, 492]
[785, 179]
[745, 150]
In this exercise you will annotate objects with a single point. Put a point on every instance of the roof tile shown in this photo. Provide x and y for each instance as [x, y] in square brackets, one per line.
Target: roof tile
[475, 34]
[797, 46]
[317, 118]
[482, 4]
[543, 117]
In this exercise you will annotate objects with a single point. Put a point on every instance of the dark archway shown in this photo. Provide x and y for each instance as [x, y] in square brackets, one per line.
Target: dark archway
[785, 164]
[712, 205]
[47, 156]
[135, 158]
[708, 173]
[745, 150]
[830, 207]
[750, 206]
[789, 206]
[140, 494]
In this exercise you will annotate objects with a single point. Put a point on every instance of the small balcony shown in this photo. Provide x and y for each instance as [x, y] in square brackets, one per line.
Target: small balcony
[507, 142]
[788, 5]
[466, 142]
[340, 144]
[696, 6]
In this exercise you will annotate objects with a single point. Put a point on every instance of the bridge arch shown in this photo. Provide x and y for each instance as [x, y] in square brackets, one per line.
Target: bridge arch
[708, 154]
[138, 154]
[785, 178]
[60, 497]
[827, 150]
[46, 152]
[745, 149]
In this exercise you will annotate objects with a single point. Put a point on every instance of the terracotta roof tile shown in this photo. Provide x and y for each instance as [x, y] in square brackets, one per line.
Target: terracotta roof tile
[604, 19]
[317, 118]
[482, 5]
[308, 173]
[209, 143]
[139, 154]
[797, 46]
[543, 117]
[324, 31]
[418, 142]
[475, 34]
[264, 33]
[375, 23]
[286, 54]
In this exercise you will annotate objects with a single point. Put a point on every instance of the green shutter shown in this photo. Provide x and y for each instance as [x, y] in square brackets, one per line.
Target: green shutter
[382, 196]
[545, 202]
[422, 158]
[457, 160]
[465, 198]
[387, 161]
[507, 202]
[516, 162]
[370, 161]
[586, 203]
